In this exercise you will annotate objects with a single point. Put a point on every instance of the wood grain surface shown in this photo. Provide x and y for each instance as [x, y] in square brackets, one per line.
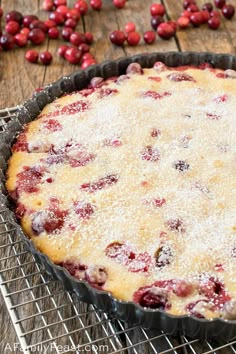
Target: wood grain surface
[18, 79]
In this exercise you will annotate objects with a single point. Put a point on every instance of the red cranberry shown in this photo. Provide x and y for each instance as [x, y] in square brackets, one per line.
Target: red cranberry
[36, 36]
[73, 14]
[53, 33]
[214, 23]
[88, 37]
[130, 27]
[193, 8]
[38, 24]
[173, 24]
[45, 57]
[77, 38]
[87, 63]
[156, 21]
[28, 19]
[165, 31]
[119, 4]
[182, 288]
[157, 10]
[133, 38]
[82, 6]
[48, 221]
[56, 17]
[60, 2]
[48, 5]
[32, 56]
[149, 37]
[219, 3]
[117, 37]
[87, 56]
[155, 298]
[70, 23]
[84, 48]
[207, 7]
[62, 9]
[187, 3]
[96, 4]
[196, 19]
[72, 55]
[205, 16]
[183, 22]
[25, 31]
[14, 16]
[1, 12]
[102, 182]
[215, 13]
[12, 27]
[62, 49]
[20, 39]
[96, 275]
[7, 41]
[66, 33]
[50, 24]
[228, 11]
[186, 14]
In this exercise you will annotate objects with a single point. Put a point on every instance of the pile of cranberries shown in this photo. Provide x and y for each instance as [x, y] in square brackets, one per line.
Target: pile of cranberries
[166, 29]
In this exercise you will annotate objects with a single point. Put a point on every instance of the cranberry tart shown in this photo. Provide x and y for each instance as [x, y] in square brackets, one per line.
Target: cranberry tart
[130, 185]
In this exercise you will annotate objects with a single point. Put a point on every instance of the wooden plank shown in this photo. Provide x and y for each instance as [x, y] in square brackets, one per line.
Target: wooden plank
[18, 78]
[203, 38]
[139, 13]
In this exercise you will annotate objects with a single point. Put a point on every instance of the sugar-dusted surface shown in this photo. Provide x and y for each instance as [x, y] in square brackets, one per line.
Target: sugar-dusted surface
[96, 153]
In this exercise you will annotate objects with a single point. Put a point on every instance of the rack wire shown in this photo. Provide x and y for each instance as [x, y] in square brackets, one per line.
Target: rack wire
[49, 319]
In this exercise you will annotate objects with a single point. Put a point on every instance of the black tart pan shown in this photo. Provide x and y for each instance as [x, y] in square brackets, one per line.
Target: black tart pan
[220, 329]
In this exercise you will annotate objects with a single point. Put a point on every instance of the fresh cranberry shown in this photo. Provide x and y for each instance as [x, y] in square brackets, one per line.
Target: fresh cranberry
[48, 5]
[175, 225]
[7, 41]
[1, 12]
[119, 4]
[163, 256]
[214, 23]
[183, 22]
[193, 8]
[215, 13]
[186, 14]
[96, 275]
[72, 55]
[66, 33]
[38, 24]
[165, 31]
[187, 3]
[154, 298]
[88, 37]
[25, 31]
[156, 21]
[205, 16]
[62, 9]
[219, 3]
[87, 63]
[157, 10]
[31, 56]
[117, 37]
[45, 57]
[82, 6]
[14, 16]
[96, 4]
[87, 56]
[28, 19]
[149, 37]
[70, 23]
[133, 38]
[50, 24]
[130, 27]
[62, 49]
[173, 24]
[36, 36]
[73, 14]
[56, 17]
[207, 7]
[20, 40]
[76, 38]
[53, 33]
[60, 2]
[134, 68]
[178, 77]
[84, 48]
[12, 27]
[103, 182]
[196, 19]
[228, 11]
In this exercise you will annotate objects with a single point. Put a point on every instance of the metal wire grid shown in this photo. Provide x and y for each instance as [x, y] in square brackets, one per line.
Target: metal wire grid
[47, 318]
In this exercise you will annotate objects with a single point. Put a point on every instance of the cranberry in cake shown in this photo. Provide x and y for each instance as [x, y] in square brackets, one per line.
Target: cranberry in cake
[129, 184]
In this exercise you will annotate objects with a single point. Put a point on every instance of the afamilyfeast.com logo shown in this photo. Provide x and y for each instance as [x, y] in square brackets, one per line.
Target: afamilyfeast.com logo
[53, 347]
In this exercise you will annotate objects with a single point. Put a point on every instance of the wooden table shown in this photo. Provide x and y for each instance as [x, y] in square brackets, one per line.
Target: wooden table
[18, 78]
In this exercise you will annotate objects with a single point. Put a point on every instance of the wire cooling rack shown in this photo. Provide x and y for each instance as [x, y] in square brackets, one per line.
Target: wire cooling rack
[49, 319]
